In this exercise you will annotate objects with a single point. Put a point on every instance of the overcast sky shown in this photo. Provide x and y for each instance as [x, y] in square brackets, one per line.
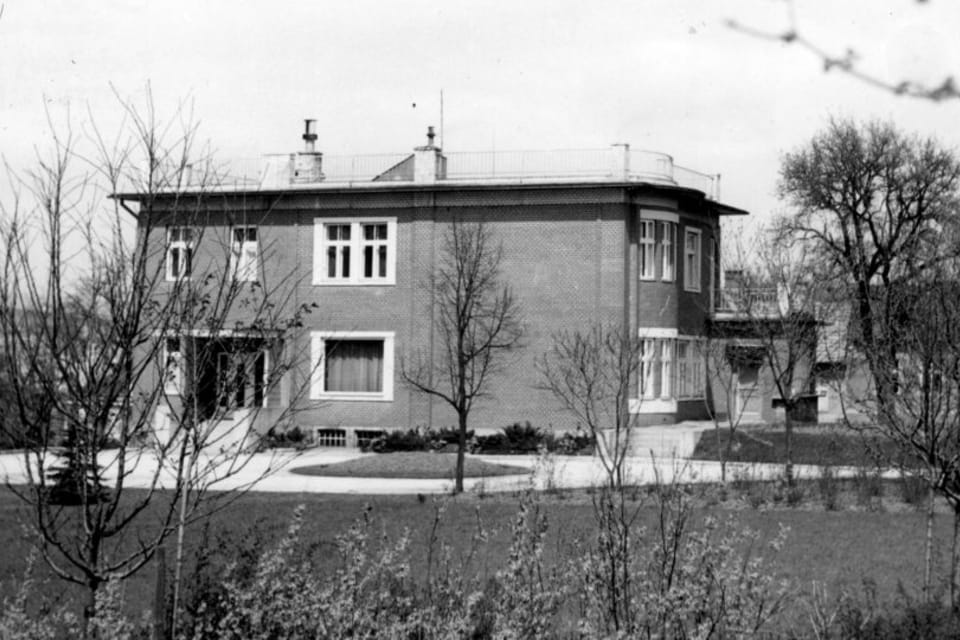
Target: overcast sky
[666, 75]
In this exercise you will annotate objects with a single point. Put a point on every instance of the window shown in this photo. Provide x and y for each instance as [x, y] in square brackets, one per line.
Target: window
[172, 367]
[690, 383]
[671, 369]
[330, 437]
[179, 252]
[647, 250]
[657, 242]
[656, 368]
[668, 233]
[691, 265]
[243, 254]
[352, 366]
[712, 263]
[355, 252]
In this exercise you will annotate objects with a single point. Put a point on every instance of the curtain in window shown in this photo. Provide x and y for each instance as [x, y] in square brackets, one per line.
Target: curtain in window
[353, 365]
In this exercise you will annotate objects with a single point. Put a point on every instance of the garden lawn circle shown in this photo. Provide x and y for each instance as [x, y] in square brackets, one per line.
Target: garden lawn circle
[413, 464]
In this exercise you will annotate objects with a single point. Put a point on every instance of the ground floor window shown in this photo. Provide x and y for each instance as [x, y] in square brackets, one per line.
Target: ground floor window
[352, 365]
[330, 438]
[671, 369]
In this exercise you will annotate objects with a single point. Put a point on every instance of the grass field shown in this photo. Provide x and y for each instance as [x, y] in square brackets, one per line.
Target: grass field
[822, 446]
[410, 464]
[837, 548]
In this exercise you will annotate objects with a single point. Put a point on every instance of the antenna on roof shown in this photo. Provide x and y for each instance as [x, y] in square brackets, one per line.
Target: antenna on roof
[441, 118]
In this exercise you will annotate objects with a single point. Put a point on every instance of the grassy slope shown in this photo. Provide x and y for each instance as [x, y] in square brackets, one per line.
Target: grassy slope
[819, 446]
[412, 464]
[839, 549]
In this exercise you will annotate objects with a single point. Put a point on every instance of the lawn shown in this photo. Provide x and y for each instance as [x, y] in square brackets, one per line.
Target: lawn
[838, 548]
[821, 446]
[410, 464]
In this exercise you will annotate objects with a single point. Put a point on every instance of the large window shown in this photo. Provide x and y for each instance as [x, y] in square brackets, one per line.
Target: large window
[179, 259]
[668, 234]
[172, 367]
[657, 242]
[244, 252]
[352, 365]
[691, 264]
[648, 259]
[355, 251]
[690, 383]
[671, 369]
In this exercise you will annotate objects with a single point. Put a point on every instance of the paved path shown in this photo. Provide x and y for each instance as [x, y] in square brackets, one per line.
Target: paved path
[272, 472]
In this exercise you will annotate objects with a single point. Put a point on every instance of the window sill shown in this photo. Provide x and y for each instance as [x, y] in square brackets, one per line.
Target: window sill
[653, 405]
[358, 396]
[354, 283]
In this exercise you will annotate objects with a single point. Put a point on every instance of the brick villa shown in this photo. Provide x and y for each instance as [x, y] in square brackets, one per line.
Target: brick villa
[589, 236]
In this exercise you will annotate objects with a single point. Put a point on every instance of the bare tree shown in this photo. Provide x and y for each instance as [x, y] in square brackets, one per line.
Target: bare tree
[108, 321]
[477, 323]
[878, 208]
[875, 206]
[593, 374]
[728, 399]
[775, 324]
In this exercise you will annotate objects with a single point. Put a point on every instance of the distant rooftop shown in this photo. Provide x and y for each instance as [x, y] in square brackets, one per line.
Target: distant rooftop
[428, 164]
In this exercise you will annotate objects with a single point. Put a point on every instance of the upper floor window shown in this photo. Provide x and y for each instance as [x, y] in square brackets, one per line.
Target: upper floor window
[179, 257]
[355, 251]
[244, 254]
[668, 234]
[648, 261]
[691, 264]
[657, 242]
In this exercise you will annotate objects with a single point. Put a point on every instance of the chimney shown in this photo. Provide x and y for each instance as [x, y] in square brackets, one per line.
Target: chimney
[306, 166]
[429, 163]
[309, 135]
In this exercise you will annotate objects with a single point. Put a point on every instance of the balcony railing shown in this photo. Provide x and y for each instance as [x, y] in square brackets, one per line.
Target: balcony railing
[615, 163]
[757, 301]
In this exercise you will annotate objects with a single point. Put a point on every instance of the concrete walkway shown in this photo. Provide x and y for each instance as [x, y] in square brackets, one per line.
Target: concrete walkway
[271, 471]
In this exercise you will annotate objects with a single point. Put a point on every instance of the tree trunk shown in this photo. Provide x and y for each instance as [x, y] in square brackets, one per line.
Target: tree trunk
[954, 561]
[788, 444]
[160, 618]
[928, 547]
[90, 609]
[722, 452]
[461, 452]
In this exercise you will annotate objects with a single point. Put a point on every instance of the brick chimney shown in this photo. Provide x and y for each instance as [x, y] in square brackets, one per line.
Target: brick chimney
[429, 163]
[307, 165]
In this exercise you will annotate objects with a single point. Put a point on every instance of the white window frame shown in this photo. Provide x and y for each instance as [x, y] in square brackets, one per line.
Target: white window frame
[692, 385]
[692, 265]
[245, 253]
[356, 245]
[668, 261]
[667, 348]
[173, 366]
[648, 251]
[318, 341]
[176, 242]
[653, 343]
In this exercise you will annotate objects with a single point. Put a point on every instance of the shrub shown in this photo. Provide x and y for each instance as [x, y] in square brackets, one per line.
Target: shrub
[829, 487]
[293, 438]
[913, 489]
[578, 442]
[417, 440]
[409, 440]
[869, 486]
